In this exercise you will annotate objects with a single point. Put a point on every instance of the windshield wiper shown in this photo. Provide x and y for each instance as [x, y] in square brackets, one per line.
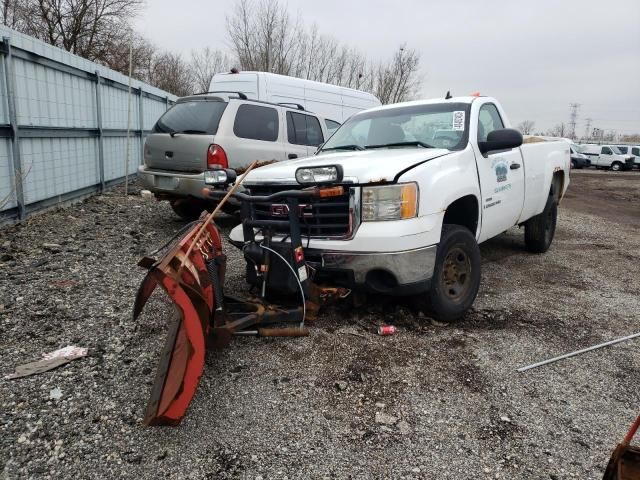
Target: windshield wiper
[344, 147]
[413, 143]
[197, 132]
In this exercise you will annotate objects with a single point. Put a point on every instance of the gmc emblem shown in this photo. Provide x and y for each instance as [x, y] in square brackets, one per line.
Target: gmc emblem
[282, 210]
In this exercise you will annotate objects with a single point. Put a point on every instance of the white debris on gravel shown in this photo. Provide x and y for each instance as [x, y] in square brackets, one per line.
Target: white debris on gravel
[270, 408]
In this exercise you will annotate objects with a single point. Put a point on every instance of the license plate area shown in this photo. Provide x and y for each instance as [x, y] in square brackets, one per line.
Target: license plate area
[166, 183]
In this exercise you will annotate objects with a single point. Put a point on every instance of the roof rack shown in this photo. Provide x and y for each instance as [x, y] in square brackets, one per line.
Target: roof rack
[297, 105]
[241, 95]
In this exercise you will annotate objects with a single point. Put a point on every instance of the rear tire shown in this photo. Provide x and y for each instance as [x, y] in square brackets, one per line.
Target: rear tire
[616, 166]
[540, 230]
[456, 276]
[188, 209]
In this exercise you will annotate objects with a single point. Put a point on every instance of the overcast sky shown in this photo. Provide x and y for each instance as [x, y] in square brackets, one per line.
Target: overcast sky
[535, 57]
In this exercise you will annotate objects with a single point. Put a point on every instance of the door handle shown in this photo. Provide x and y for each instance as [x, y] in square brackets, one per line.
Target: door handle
[291, 156]
[514, 166]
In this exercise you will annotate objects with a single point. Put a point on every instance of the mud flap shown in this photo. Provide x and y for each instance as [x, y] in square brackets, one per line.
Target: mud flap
[187, 283]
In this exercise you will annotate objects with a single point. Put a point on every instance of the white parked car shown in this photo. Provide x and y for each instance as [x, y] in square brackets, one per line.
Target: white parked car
[607, 156]
[334, 103]
[632, 150]
[424, 183]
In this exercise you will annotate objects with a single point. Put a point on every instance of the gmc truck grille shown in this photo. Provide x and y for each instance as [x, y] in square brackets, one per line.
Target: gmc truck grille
[319, 217]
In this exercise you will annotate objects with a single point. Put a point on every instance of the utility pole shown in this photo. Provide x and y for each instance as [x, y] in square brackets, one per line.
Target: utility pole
[587, 130]
[573, 117]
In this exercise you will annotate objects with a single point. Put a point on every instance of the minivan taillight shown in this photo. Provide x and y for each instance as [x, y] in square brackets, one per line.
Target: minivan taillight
[216, 157]
[147, 153]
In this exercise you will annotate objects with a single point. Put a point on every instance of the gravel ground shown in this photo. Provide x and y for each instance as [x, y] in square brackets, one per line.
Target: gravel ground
[431, 401]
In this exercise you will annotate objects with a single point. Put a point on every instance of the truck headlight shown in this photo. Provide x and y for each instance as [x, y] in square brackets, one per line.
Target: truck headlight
[389, 202]
[321, 175]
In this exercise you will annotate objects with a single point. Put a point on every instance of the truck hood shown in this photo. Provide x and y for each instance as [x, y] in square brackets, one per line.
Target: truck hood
[366, 166]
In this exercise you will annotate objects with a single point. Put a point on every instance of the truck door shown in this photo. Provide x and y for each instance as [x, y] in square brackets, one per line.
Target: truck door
[501, 179]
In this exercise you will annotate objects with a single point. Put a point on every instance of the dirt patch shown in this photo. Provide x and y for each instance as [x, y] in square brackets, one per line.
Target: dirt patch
[611, 195]
[430, 401]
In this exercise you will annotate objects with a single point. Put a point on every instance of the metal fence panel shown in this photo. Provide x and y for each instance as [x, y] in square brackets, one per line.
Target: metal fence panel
[152, 110]
[63, 124]
[7, 198]
[114, 156]
[55, 166]
[50, 98]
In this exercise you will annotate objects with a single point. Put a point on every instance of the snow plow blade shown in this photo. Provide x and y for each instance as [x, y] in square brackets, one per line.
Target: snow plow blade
[624, 463]
[190, 273]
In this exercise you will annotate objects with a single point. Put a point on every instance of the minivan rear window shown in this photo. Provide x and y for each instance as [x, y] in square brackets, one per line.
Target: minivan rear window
[194, 117]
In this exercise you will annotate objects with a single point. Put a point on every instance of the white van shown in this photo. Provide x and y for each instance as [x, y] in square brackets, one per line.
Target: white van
[607, 156]
[633, 150]
[334, 103]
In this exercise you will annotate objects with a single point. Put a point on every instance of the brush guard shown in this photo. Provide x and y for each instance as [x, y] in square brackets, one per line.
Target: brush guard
[192, 273]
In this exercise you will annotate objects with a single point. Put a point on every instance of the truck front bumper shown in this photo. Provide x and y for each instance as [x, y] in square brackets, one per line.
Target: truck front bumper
[395, 273]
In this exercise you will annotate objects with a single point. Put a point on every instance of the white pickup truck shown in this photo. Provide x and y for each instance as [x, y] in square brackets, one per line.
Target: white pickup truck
[425, 183]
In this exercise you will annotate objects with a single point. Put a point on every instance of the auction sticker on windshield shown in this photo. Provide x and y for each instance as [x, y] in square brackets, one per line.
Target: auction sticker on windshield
[458, 120]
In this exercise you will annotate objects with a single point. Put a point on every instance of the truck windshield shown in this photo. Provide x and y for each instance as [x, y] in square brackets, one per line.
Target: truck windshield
[616, 150]
[441, 125]
[623, 149]
[194, 117]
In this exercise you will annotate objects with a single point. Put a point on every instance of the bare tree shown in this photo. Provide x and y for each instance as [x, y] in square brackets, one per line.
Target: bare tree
[559, 130]
[12, 13]
[265, 37]
[170, 72]
[84, 27]
[205, 64]
[143, 53]
[398, 81]
[526, 127]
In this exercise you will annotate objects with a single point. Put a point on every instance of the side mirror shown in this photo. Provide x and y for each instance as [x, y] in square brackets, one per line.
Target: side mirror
[502, 139]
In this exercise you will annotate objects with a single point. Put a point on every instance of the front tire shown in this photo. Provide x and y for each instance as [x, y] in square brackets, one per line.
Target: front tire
[456, 275]
[540, 230]
[616, 166]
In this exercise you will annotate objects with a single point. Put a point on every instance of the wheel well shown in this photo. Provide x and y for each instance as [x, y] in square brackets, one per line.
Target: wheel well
[464, 212]
[557, 185]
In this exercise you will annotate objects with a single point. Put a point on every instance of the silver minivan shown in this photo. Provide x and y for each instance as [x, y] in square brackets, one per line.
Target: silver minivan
[221, 129]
